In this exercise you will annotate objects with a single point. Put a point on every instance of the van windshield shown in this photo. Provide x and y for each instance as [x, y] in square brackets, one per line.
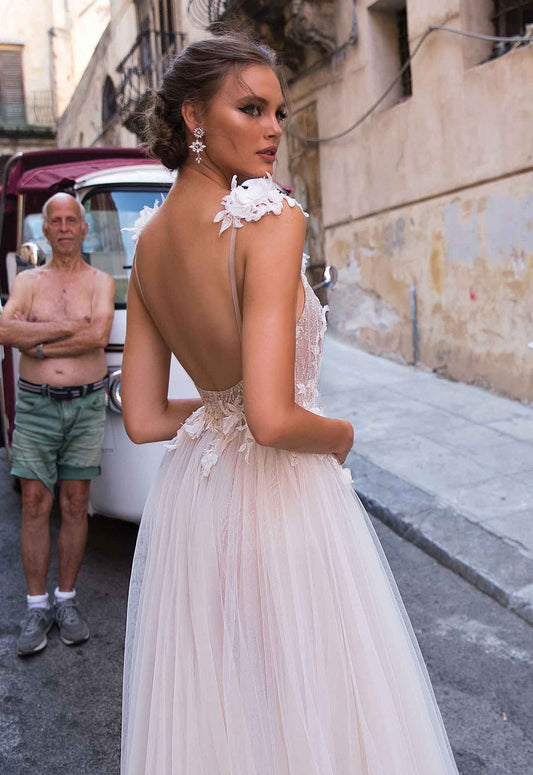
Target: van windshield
[107, 246]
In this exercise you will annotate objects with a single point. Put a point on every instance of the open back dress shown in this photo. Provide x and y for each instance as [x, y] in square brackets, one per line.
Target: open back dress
[265, 632]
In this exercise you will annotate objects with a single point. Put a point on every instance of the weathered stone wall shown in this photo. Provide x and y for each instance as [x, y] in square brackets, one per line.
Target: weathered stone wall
[81, 123]
[57, 39]
[29, 26]
[468, 256]
[432, 192]
[77, 28]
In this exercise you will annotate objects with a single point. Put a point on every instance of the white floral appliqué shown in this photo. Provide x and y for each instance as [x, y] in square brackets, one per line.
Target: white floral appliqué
[250, 201]
[227, 421]
[144, 216]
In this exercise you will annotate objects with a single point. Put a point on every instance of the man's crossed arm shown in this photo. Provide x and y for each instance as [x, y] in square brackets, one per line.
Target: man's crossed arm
[64, 338]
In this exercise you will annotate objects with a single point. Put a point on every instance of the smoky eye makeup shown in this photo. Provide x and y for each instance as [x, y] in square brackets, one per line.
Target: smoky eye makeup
[256, 109]
[251, 110]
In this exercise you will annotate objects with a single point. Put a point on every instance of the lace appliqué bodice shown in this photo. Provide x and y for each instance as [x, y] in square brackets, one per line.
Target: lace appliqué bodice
[223, 410]
[222, 413]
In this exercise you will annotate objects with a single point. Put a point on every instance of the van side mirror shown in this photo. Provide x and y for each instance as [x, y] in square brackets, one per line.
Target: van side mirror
[30, 255]
[329, 278]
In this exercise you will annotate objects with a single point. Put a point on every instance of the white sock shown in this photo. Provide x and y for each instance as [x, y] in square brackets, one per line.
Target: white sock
[60, 596]
[38, 601]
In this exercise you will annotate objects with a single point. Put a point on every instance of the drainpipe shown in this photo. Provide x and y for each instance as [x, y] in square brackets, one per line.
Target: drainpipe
[53, 78]
[414, 323]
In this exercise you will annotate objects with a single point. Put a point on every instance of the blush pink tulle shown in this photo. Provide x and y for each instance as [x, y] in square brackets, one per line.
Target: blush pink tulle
[265, 633]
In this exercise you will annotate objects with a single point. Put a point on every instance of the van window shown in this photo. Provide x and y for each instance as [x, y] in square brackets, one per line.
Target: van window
[32, 231]
[107, 246]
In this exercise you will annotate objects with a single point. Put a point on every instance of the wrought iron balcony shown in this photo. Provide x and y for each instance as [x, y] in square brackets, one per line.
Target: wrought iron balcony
[295, 28]
[143, 66]
[37, 111]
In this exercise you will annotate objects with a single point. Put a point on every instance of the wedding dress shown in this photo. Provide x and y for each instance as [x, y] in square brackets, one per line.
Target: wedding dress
[265, 632]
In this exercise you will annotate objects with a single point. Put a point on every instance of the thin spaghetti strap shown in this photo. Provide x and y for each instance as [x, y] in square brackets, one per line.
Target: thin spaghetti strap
[135, 271]
[233, 282]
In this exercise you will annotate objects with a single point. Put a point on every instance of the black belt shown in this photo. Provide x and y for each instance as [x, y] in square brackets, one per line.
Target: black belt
[62, 393]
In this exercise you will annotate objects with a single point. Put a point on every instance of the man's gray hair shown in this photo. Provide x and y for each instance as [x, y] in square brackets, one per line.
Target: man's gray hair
[62, 194]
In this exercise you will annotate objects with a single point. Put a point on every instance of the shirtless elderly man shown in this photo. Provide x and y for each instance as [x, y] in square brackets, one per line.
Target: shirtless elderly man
[59, 316]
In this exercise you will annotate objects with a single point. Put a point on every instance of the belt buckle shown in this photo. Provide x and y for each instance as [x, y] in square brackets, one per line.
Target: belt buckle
[56, 394]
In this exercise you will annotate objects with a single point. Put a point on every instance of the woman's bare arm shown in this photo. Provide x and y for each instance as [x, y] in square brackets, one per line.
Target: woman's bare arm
[149, 415]
[273, 254]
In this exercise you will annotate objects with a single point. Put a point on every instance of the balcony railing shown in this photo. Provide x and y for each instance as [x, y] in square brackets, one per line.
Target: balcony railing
[204, 13]
[38, 110]
[143, 66]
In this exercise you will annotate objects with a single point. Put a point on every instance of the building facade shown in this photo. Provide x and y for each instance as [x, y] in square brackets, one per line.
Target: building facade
[141, 38]
[426, 207]
[44, 48]
[418, 176]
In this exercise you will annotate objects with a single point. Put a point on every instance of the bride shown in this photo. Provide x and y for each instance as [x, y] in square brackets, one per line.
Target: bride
[265, 633]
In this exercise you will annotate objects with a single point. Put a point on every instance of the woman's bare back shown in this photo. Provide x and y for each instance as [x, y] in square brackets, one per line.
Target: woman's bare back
[183, 272]
[182, 267]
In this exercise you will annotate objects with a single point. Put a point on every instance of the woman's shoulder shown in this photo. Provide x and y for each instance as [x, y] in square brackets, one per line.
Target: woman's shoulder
[253, 199]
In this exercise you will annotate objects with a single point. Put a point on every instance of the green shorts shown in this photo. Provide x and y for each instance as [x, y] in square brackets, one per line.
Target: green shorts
[58, 439]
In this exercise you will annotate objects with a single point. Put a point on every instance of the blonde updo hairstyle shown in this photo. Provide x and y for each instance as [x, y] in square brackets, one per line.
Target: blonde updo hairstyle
[195, 76]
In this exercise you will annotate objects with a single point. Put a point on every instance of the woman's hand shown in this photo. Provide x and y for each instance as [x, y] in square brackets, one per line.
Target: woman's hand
[344, 451]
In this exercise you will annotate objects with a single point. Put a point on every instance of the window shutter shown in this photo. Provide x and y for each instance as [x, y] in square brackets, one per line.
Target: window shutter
[12, 108]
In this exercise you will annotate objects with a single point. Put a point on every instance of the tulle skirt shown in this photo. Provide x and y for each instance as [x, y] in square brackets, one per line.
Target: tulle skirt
[265, 632]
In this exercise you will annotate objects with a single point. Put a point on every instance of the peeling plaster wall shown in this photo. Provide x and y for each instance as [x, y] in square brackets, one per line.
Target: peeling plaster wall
[470, 257]
[435, 192]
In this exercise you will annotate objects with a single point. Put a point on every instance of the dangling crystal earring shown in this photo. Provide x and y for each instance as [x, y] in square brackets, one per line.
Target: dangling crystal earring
[197, 147]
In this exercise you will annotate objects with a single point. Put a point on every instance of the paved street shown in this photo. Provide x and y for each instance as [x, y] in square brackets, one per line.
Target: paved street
[448, 465]
[61, 708]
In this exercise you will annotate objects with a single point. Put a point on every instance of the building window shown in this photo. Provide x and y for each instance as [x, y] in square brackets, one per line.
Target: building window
[12, 102]
[403, 46]
[166, 25]
[511, 16]
[505, 18]
[389, 48]
[109, 102]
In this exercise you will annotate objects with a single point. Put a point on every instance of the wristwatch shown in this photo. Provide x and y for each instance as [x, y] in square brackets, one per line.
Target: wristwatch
[40, 353]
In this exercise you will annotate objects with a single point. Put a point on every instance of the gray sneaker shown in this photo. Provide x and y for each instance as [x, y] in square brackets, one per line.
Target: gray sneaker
[73, 628]
[33, 631]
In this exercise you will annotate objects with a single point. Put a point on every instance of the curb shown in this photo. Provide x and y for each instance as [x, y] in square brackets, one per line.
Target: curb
[492, 564]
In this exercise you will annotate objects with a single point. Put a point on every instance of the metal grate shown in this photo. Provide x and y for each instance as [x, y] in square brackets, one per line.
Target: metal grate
[203, 13]
[403, 44]
[510, 17]
[208, 14]
[143, 66]
[41, 108]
